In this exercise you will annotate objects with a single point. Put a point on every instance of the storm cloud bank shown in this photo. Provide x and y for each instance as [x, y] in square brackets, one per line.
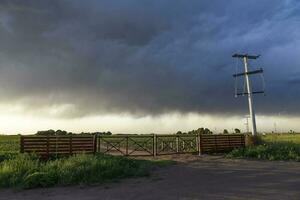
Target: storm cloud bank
[146, 57]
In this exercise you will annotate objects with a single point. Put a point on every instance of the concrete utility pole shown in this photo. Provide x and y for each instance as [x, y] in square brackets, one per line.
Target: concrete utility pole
[250, 101]
[249, 92]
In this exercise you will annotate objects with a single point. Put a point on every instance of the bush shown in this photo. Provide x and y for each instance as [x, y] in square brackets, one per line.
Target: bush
[27, 171]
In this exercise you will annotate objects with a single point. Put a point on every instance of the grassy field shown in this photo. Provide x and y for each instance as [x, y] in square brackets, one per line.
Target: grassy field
[9, 146]
[272, 147]
[294, 138]
[9, 143]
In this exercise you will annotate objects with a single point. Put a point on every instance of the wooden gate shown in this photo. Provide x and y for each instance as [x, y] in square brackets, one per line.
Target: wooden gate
[138, 145]
[175, 144]
[221, 143]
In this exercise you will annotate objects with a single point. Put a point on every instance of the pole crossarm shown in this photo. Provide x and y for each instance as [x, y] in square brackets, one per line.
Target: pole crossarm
[249, 73]
[246, 93]
[245, 56]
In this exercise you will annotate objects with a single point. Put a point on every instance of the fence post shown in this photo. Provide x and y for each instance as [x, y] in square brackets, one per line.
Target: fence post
[177, 143]
[22, 144]
[47, 147]
[153, 151]
[99, 143]
[200, 145]
[126, 145]
[198, 142]
[154, 145]
[242, 141]
[95, 144]
[70, 145]
[216, 146]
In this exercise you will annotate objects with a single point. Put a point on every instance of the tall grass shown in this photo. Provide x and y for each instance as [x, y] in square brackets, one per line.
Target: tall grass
[271, 148]
[27, 171]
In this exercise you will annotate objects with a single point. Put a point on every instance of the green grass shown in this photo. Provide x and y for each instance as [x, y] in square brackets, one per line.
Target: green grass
[273, 147]
[9, 146]
[9, 143]
[27, 171]
[294, 138]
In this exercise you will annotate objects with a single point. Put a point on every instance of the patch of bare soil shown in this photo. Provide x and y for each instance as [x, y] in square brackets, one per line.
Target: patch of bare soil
[194, 177]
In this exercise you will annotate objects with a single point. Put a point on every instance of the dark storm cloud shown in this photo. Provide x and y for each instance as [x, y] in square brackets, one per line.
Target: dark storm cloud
[146, 57]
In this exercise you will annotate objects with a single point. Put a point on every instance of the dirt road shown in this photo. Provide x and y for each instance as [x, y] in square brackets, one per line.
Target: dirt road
[192, 178]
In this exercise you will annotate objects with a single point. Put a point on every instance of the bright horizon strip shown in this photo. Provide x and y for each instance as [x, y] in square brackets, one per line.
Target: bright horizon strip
[163, 124]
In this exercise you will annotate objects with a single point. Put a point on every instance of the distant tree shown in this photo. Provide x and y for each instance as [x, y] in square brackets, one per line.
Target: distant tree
[108, 133]
[225, 131]
[236, 130]
[48, 132]
[179, 133]
[207, 131]
[60, 132]
[96, 133]
[52, 132]
[200, 131]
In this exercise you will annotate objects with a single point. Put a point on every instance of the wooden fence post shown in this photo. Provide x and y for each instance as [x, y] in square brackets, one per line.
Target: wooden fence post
[242, 140]
[200, 145]
[95, 144]
[216, 145]
[126, 145]
[22, 144]
[70, 145]
[99, 143]
[177, 144]
[47, 150]
[153, 141]
[154, 145]
[198, 142]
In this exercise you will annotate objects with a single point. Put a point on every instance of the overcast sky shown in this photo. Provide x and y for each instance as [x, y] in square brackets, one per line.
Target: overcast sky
[67, 60]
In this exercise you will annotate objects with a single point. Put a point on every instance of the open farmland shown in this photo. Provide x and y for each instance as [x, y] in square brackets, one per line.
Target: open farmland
[9, 143]
[294, 138]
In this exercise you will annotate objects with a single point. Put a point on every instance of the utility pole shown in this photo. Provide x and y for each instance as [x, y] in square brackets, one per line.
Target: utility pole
[249, 92]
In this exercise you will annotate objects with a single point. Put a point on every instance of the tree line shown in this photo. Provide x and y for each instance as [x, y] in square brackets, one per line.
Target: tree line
[59, 132]
[205, 131]
[62, 133]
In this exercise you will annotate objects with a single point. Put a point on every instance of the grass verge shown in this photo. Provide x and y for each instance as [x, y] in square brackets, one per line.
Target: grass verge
[287, 151]
[27, 171]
